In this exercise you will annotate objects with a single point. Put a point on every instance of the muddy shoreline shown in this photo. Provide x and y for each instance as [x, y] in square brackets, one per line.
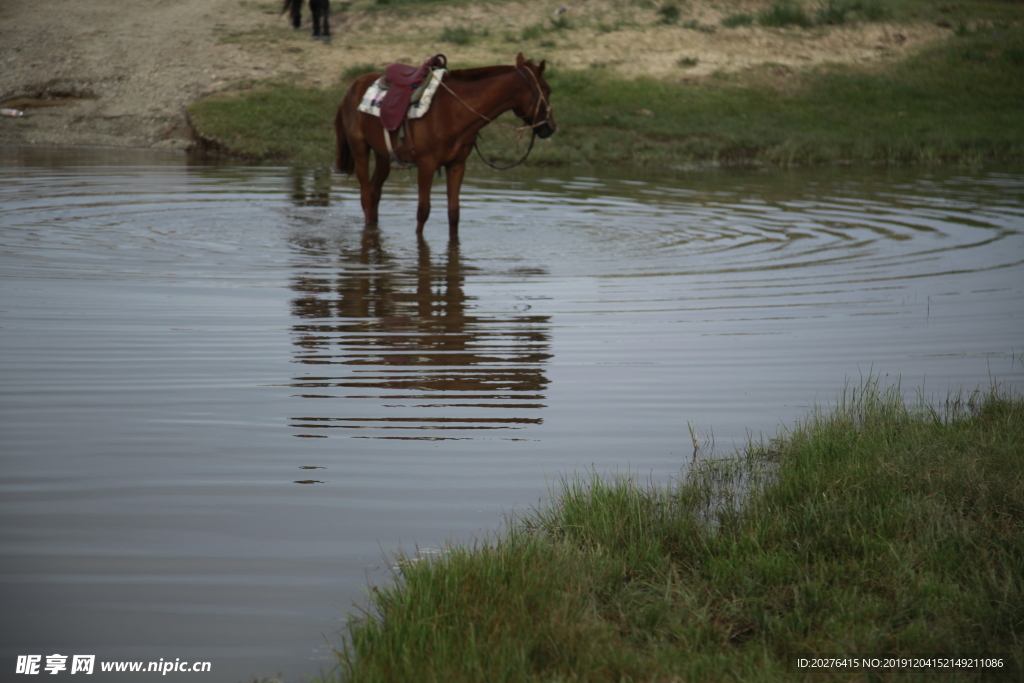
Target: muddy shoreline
[93, 73]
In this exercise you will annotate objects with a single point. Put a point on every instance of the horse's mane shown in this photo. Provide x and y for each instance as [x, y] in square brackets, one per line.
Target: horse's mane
[479, 72]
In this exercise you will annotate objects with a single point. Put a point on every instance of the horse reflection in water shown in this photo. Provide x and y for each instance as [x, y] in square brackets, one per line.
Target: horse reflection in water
[395, 351]
[444, 137]
[310, 191]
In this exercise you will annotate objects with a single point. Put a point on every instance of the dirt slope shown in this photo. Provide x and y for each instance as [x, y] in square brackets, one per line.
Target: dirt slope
[114, 73]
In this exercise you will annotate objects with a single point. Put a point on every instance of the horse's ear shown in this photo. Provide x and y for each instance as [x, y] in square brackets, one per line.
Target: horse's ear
[520, 60]
[540, 67]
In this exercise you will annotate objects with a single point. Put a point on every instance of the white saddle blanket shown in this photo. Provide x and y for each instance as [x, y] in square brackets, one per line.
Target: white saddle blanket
[421, 97]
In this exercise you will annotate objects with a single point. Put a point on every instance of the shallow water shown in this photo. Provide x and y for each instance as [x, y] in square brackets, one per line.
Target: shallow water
[225, 403]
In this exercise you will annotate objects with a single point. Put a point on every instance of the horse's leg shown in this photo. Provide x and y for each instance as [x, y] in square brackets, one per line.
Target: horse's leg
[359, 160]
[381, 171]
[454, 172]
[370, 186]
[362, 169]
[425, 178]
[295, 6]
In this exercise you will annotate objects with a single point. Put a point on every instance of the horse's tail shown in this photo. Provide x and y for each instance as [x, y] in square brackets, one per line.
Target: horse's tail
[344, 162]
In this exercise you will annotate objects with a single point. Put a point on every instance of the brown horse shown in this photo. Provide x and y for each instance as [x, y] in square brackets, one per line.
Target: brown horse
[467, 100]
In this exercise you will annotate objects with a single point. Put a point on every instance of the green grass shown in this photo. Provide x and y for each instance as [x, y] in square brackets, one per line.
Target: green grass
[271, 122]
[871, 528]
[827, 13]
[737, 20]
[459, 35]
[833, 12]
[784, 13]
[668, 13]
[958, 102]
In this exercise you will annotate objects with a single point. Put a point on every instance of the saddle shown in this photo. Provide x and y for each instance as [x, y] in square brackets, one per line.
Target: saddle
[402, 80]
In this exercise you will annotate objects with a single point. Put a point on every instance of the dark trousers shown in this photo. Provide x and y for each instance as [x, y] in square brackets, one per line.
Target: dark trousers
[321, 10]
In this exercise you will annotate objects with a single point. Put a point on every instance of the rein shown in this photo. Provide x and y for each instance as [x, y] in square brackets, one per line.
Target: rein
[538, 97]
[533, 136]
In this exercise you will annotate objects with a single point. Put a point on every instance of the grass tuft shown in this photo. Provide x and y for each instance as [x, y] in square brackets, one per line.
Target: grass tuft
[356, 70]
[560, 23]
[668, 13]
[459, 35]
[738, 20]
[833, 12]
[784, 13]
[828, 13]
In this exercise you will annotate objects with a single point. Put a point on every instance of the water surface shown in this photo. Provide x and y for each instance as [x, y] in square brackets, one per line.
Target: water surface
[225, 403]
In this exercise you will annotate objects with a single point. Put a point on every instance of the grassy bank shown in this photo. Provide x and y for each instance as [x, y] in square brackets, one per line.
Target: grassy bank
[957, 102]
[874, 528]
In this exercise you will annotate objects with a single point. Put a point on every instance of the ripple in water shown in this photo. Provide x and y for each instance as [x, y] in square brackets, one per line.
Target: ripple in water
[168, 331]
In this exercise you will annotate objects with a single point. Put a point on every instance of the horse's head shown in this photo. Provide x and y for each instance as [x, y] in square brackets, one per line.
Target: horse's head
[534, 106]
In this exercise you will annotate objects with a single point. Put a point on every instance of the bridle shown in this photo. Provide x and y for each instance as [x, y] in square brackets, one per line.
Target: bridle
[538, 98]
